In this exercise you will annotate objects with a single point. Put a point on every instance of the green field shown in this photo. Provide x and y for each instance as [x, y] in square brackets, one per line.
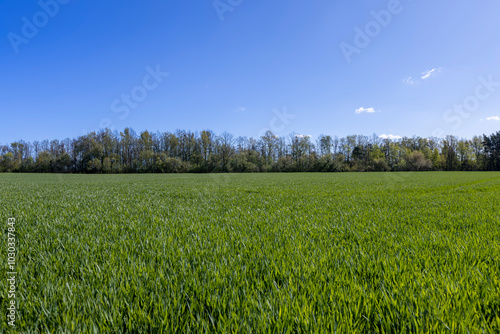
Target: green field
[347, 252]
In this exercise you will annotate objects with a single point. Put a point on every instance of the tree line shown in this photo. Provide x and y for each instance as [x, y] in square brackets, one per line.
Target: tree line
[183, 151]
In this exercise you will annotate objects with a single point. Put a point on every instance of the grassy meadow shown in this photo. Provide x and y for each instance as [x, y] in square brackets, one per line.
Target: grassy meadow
[274, 253]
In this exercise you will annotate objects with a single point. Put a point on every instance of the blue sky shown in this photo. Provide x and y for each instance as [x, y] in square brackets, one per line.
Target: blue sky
[399, 68]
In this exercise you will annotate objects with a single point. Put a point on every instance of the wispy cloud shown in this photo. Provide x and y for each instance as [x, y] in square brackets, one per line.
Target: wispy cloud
[429, 73]
[390, 137]
[241, 109]
[493, 118]
[302, 136]
[362, 110]
[423, 76]
[409, 81]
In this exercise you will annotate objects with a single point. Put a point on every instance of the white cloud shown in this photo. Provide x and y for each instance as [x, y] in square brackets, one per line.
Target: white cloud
[367, 110]
[424, 76]
[427, 74]
[302, 136]
[241, 109]
[390, 137]
[409, 81]
[493, 118]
